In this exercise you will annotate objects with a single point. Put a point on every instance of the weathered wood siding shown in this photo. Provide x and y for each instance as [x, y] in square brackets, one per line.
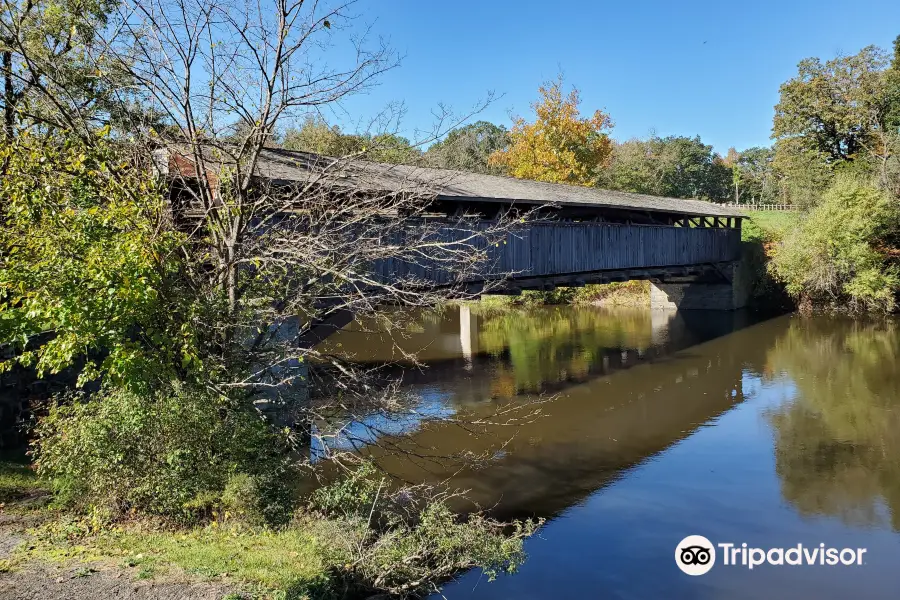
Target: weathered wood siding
[568, 248]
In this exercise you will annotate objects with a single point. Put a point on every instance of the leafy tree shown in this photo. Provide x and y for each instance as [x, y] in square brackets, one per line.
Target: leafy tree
[841, 251]
[214, 277]
[675, 166]
[469, 148]
[47, 63]
[889, 167]
[892, 91]
[753, 176]
[830, 115]
[390, 148]
[559, 146]
[316, 136]
[84, 253]
[834, 108]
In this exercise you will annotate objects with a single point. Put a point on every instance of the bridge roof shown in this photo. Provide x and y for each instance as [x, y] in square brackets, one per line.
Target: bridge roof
[448, 185]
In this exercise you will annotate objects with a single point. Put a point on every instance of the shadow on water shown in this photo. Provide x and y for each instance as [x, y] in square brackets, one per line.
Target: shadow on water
[613, 388]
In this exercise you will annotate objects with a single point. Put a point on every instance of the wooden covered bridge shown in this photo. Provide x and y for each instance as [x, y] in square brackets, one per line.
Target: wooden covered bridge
[688, 249]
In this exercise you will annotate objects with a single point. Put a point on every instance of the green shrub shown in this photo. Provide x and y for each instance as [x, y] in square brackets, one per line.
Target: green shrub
[836, 254]
[406, 541]
[411, 559]
[351, 496]
[181, 453]
[760, 233]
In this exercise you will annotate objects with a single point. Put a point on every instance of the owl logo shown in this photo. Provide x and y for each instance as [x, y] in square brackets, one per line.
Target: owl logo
[695, 555]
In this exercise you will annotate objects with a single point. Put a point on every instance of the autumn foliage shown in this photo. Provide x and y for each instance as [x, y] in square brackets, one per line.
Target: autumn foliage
[559, 146]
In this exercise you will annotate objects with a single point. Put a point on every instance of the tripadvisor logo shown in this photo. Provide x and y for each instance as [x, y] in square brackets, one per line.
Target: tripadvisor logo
[696, 555]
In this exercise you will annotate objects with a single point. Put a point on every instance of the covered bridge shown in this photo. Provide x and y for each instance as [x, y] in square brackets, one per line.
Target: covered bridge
[688, 248]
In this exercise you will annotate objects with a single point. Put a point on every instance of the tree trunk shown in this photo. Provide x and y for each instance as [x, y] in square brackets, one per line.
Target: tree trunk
[9, 98]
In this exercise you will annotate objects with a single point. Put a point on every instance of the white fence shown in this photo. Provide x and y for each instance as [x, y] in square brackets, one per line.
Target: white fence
[763, 206]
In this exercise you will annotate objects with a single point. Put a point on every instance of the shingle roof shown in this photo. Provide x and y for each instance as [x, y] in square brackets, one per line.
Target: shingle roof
[451, 185]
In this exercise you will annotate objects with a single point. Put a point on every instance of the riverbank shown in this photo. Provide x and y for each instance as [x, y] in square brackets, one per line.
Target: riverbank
[627, 293]
[47, 552]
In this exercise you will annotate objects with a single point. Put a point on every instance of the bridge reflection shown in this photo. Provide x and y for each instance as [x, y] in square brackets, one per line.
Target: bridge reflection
[618, 387]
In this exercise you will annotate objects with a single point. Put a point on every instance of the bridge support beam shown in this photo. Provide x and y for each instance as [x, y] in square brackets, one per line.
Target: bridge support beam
[468, 334]
[730, 292]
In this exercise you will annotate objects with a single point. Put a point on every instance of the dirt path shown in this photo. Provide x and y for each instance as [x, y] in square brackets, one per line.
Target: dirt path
[42, 581]
[52, 582]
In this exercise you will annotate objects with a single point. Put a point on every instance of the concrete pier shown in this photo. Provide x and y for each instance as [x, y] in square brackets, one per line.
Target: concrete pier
[731, 292]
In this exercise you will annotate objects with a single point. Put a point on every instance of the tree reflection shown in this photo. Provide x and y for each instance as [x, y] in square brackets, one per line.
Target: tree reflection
[837, 443]
[554, 345]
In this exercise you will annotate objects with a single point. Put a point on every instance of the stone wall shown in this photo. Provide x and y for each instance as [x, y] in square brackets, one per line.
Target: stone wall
[705, 296]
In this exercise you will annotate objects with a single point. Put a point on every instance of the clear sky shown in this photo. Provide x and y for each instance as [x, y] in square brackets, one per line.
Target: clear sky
[677, 67]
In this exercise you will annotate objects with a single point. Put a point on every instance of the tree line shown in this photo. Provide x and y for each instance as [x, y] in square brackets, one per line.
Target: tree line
[561, 147]
[836, 116]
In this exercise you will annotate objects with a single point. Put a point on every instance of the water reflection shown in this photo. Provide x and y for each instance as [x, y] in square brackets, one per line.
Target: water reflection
[662, 425]
[806, 452]
[619, 396]
[837, 443]
[529, 351]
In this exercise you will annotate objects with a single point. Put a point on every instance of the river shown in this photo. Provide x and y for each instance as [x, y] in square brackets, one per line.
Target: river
[630, 430]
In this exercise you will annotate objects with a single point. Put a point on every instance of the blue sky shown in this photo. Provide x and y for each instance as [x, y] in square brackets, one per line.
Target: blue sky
[674, 67]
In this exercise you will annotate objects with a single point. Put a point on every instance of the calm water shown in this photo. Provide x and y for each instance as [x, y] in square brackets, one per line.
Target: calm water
[655, 426]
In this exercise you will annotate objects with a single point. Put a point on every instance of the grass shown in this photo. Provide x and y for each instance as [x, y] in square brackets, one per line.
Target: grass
[18, 479]
[290, 563]
[285, 564]
[627, 293]
[768, 225]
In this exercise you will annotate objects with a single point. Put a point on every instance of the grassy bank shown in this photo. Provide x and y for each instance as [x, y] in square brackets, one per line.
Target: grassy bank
[18, 481]
[761, 235]
[294, 562]
[345, 543]
[627, 293]
[768, 226]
